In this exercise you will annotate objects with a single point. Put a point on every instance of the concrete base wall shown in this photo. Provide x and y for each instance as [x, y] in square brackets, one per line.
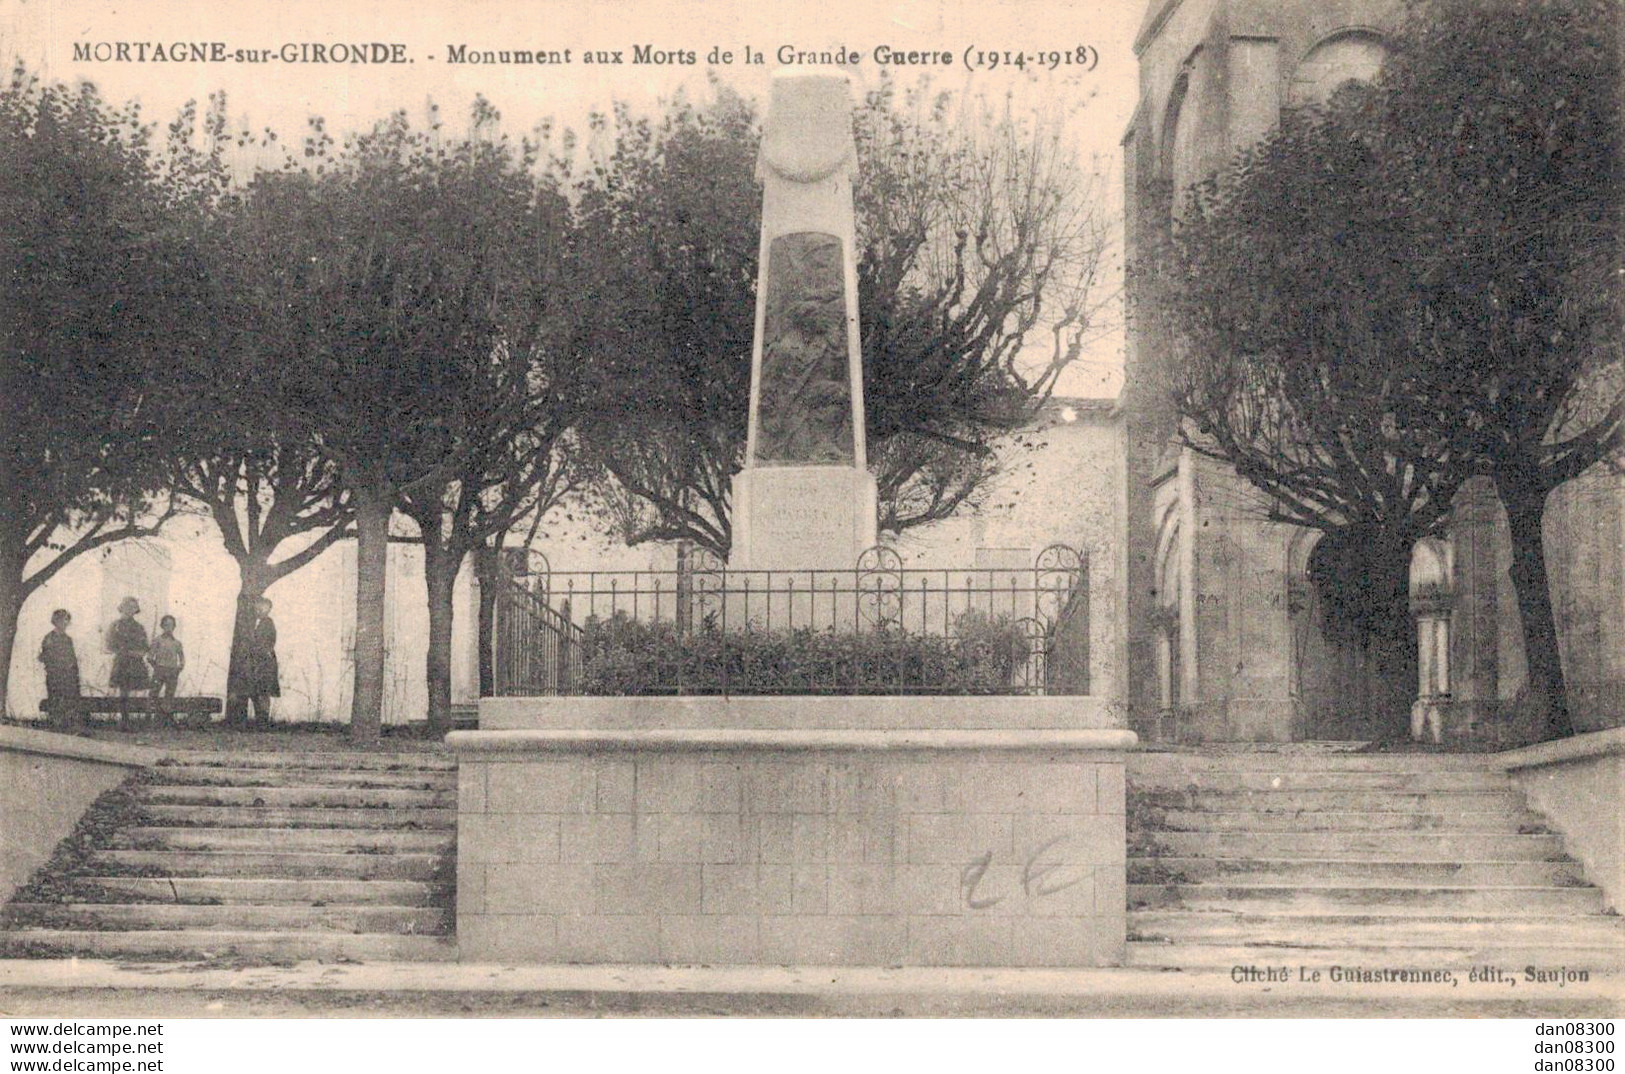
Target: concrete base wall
[881, 712]
[1242, 719]
[878, 848]
[47, 781]
[1576, 782]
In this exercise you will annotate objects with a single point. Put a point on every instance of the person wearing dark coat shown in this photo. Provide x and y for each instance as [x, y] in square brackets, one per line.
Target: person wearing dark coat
[127, 641]
[260, 680]
[61, 662]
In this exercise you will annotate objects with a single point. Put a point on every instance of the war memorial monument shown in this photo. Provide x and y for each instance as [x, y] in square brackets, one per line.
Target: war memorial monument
[841, 830]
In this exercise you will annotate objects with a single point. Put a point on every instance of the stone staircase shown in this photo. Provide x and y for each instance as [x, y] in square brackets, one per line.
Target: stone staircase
[341, 855]
[1281, 857]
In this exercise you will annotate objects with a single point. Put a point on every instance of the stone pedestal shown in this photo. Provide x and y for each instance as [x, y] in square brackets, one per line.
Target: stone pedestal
[802, 517]
[805, 500]
[720, 845]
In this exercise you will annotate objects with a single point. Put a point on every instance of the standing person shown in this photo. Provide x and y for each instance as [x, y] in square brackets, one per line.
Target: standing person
[127, 641]
[167, 658]
[260, 677]
[61, 665]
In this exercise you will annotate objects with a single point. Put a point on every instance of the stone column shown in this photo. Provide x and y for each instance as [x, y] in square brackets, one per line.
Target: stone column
[805, 499]
[1432, 596]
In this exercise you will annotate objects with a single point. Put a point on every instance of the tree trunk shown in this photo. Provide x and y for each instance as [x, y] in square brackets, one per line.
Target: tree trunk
[11, 605]
[487, 567]
[251, 587]
[1390, 640]
[1544, 687]
[13, 543]
[440, 577]
[371, 570]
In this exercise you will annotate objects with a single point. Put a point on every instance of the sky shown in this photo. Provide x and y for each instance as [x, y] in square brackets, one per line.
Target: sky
[281, 95]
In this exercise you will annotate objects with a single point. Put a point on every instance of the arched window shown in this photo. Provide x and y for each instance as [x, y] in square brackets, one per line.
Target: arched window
[1344, 57]
[1179, 163]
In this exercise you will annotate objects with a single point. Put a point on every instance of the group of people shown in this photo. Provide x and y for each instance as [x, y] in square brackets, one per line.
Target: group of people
[156, 666]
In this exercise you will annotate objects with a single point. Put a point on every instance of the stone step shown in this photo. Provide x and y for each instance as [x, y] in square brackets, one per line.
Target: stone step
[1287, 778]
[296, 817]
[1462, 957]
[1352, 872]
[237, 890]
[204, 863]
[355, 840]
[412, 920]
[1519, 821]
[203, 776]
[1382, 846]
[306, 796]
[1334, 801]
[1314, 899]
[345, 760]
[1304, 761]
[170, 944]
[1375, 930]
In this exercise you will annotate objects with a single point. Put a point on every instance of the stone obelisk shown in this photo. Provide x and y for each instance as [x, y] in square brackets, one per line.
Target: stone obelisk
[805, 499]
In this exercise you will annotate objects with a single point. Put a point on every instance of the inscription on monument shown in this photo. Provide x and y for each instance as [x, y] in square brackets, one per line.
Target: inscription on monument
[808, 519]
[805, 406]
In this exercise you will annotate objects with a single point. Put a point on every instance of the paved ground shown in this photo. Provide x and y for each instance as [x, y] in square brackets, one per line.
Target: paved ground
[46, 988]
[282, 738]
[290, 738]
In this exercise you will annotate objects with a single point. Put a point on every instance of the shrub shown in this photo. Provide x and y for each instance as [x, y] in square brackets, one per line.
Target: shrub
[625, 656]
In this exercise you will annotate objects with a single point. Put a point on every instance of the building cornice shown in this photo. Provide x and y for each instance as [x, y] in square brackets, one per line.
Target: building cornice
[1156, 15]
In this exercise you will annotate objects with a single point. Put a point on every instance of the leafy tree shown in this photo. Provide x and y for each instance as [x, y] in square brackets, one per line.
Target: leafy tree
[504, 425]
[1296, 363]
[1503, 121]
[104, 299]
[976, 231]
[273, 493]
[251, 462]
[670, 220]
[352, 300]
[1417, 285]
[424, 304]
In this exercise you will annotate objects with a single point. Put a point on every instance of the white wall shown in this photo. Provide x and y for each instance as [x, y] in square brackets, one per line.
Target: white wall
[187, 573]
[1060, 484]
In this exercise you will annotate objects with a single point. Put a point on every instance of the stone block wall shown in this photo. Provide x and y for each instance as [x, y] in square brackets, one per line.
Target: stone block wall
[47, 781]
[1575, 782]
[855, 848]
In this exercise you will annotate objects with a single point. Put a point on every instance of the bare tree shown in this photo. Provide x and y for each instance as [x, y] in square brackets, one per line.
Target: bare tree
[985, 250]
[979, 232]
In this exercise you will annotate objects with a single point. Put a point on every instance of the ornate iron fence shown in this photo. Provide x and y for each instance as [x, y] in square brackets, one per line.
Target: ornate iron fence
[707, 629]
[537, 647]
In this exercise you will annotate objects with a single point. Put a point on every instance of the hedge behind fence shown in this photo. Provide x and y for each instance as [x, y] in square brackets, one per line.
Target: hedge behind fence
[623, 656]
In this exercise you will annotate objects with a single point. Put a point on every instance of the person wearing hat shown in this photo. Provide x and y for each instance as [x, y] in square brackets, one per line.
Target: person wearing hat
[127, 641]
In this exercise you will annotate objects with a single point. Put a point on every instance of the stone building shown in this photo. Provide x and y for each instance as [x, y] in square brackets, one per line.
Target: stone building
[1226, 638]
[1060, 483]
